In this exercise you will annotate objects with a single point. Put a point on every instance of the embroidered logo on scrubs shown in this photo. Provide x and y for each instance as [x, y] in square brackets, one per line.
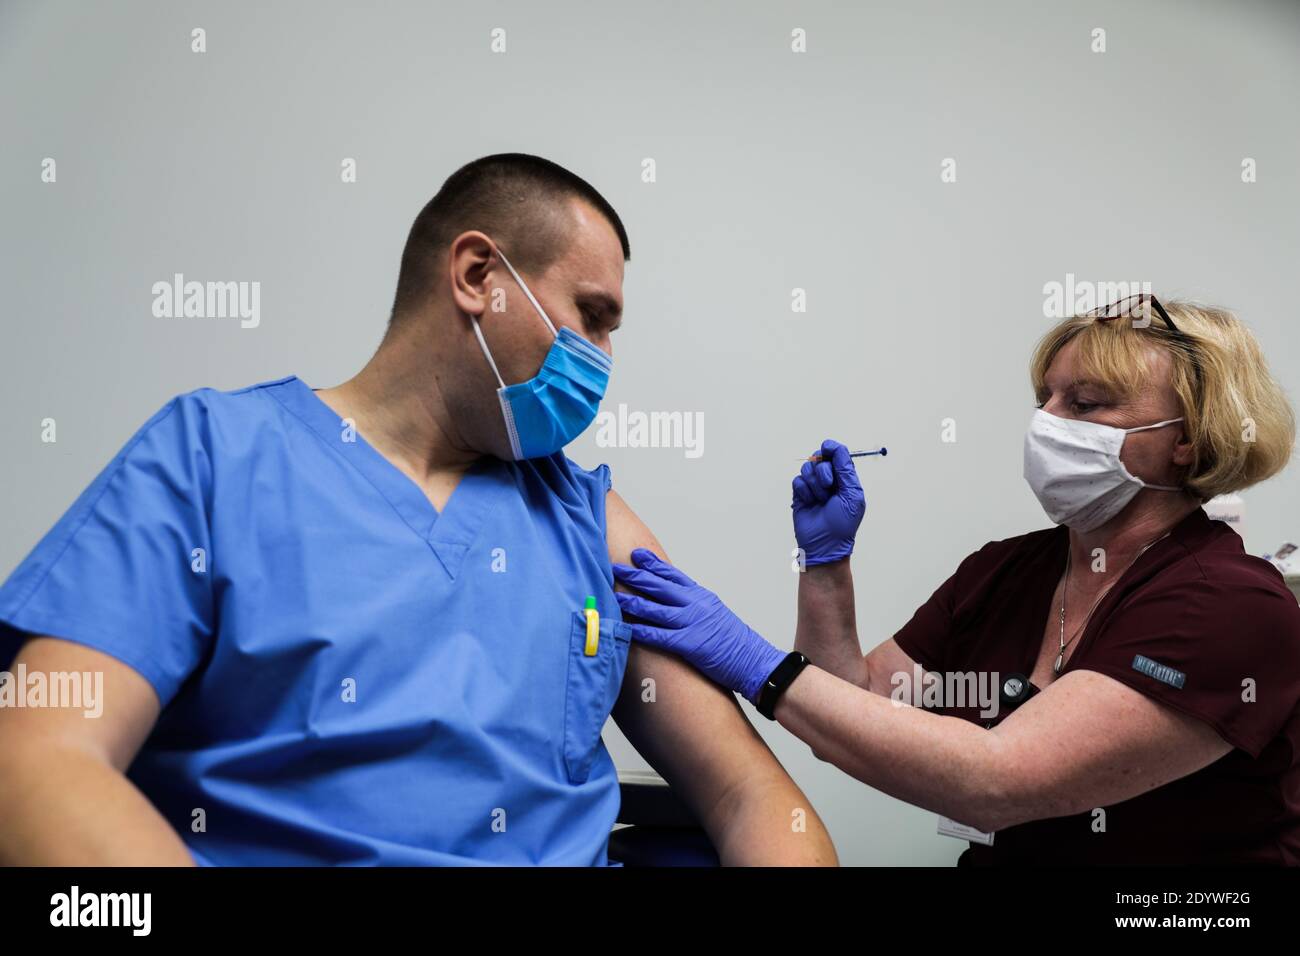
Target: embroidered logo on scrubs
[1161, 672]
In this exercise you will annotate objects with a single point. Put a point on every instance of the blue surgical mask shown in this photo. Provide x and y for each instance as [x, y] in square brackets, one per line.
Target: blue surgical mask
[555, 406]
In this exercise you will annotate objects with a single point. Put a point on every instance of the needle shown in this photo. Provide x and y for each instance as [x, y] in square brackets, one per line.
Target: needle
[882, 451]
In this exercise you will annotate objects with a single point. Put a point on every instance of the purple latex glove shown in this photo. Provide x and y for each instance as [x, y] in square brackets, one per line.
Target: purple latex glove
[828, 505]
[688, 620]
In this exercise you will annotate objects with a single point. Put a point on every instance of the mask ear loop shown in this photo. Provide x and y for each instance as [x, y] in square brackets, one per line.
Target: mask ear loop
[528, 292]
[483, 345]
[1143, 428]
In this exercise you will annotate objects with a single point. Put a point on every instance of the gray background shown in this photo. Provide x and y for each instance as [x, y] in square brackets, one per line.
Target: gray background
[775, 171]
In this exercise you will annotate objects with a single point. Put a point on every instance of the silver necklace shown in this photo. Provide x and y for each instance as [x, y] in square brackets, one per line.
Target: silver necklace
[1065, 582]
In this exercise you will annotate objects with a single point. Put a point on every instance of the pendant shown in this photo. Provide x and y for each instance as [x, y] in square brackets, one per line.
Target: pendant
[1060, 659]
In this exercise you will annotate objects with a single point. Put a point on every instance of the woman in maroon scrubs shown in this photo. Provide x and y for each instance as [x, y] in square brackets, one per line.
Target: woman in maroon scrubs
[1140, 673]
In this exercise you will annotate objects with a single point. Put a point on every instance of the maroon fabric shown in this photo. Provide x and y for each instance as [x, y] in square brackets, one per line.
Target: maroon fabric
[1196, 602]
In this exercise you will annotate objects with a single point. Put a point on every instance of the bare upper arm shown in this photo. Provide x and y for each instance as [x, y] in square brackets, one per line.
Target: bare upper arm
[884, 661]
[128, 708]
[624, 532]
[1089, 740]
[692, 731]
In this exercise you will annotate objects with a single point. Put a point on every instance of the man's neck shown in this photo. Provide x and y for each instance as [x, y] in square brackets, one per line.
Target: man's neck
[399, 408]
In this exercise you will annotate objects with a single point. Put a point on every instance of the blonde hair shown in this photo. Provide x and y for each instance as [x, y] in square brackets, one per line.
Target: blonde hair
[1239, 421]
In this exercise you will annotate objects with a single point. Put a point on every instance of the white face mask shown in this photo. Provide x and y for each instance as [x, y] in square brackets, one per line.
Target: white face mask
[1074, 469]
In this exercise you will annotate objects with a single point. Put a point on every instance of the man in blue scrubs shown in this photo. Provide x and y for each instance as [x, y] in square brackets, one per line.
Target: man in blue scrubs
[349, 625]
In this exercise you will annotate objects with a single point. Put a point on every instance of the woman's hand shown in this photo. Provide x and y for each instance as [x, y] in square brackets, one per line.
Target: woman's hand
[828, 505]
[688, 620]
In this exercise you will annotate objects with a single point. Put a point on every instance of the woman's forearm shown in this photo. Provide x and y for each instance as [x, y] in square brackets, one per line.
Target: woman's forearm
[943, 764]
[827, 632]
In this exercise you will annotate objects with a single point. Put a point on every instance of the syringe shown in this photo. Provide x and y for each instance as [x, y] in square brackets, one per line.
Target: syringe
[882, 451]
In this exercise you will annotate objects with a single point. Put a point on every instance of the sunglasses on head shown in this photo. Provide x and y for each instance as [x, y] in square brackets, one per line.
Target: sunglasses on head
[1133, 307]
[1138, 306]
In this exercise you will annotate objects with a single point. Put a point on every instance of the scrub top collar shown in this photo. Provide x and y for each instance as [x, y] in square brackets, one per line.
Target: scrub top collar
[449, 534]
[1190, 529]
[1182, 539]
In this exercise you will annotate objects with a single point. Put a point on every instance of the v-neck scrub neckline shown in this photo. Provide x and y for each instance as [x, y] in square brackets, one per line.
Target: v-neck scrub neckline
[450, 532]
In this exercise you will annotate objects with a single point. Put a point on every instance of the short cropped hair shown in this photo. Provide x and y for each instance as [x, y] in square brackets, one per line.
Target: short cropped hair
[517, 199]
[1239, 421]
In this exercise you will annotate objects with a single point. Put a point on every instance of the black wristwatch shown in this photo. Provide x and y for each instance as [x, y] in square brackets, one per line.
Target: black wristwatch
[778, 681]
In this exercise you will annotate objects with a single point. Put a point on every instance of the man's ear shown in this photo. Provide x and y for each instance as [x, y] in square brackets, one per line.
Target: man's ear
[470, 262]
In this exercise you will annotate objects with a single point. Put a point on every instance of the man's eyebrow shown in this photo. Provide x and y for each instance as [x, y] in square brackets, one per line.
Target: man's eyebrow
[602, 301]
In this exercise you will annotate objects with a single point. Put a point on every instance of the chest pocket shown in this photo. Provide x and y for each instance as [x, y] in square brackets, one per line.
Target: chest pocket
[590, 690]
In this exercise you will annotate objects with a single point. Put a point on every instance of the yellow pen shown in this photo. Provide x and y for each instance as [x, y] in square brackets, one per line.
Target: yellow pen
[593, 626]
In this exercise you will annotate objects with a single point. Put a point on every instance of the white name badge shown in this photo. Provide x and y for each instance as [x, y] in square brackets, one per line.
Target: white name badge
[952, 828]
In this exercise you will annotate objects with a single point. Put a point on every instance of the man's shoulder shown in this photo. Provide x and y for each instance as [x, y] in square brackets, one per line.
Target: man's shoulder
[208, 402]
[565, 476]
[230, 400]
[578, 489]
[198, 419]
